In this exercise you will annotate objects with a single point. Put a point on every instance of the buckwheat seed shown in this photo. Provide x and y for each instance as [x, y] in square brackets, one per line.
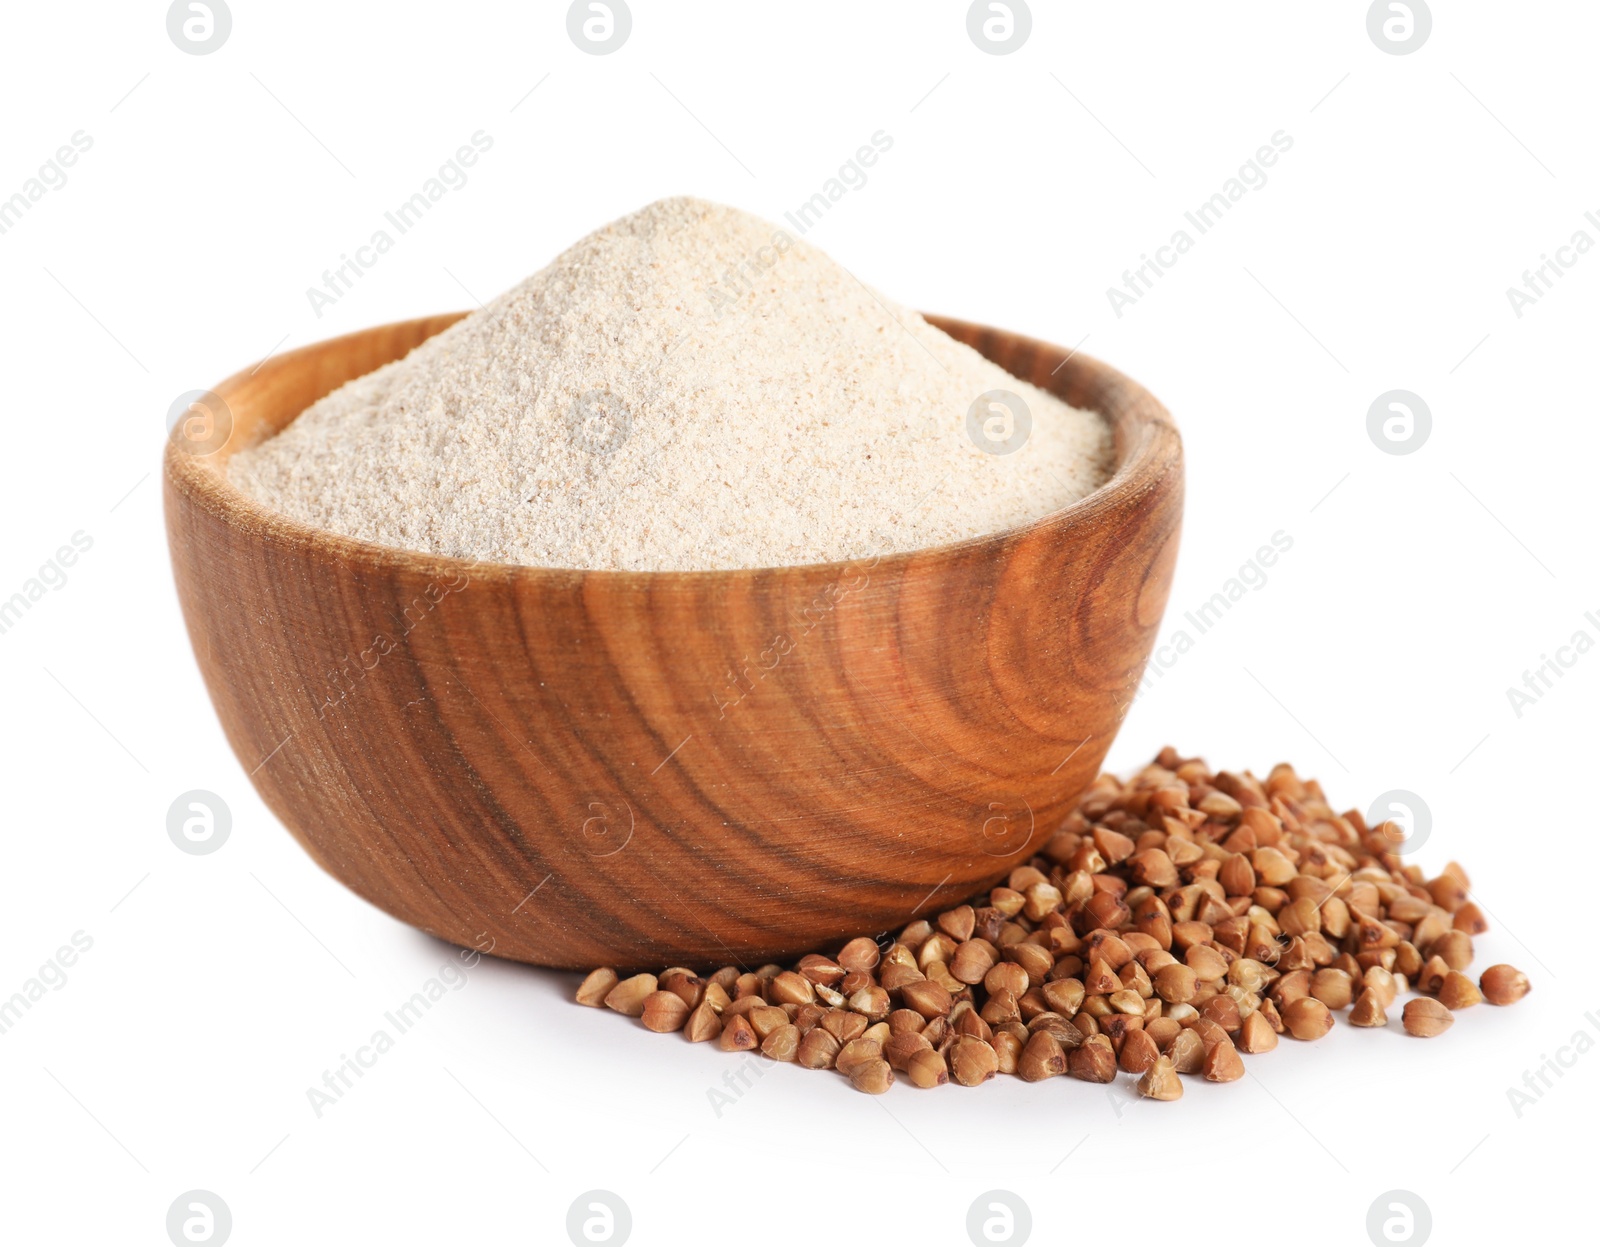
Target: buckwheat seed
[1425, 1018]
[628, 996]
[1503, 985]
[1160, 1081]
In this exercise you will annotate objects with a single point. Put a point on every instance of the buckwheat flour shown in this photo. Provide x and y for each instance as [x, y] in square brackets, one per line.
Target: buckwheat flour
[688, 388]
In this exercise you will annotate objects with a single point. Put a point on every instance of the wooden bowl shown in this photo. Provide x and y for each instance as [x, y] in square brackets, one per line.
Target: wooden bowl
[642, 769]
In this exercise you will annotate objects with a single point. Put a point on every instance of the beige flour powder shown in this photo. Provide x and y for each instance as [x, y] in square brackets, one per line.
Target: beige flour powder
[687, 388]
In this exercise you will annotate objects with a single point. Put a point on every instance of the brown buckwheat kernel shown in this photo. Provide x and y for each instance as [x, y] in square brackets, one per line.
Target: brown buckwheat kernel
[1503, 985]
[1425, 1017]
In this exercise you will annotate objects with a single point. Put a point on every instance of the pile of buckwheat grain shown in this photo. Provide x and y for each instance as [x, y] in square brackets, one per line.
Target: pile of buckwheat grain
[1174, 921]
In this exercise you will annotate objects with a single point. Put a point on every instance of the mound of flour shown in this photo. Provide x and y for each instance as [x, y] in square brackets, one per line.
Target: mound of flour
[688, 388]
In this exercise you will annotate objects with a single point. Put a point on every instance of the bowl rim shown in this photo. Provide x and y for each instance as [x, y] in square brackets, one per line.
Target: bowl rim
[1146, 440]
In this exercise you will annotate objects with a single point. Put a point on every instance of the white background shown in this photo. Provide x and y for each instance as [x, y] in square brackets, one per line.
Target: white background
[218, 188]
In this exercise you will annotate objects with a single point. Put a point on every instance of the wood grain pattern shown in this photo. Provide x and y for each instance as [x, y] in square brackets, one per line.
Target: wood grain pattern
[645, 769]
